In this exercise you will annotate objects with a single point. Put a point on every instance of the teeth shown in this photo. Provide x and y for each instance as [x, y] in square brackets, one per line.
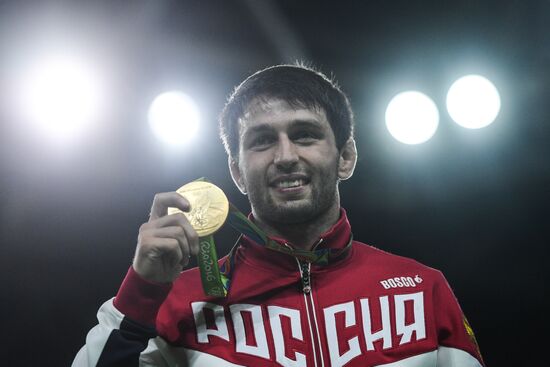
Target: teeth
[287, 184]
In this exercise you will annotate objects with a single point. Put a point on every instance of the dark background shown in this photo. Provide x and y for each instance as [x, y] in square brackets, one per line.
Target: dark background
[472, 203]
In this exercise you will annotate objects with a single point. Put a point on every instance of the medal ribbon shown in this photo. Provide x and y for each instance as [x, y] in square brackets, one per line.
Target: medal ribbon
[207, 260]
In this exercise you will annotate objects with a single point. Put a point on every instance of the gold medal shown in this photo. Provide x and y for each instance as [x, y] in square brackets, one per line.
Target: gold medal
[209, 206]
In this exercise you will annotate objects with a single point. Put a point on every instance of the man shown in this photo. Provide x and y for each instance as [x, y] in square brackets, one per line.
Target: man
[288, 131]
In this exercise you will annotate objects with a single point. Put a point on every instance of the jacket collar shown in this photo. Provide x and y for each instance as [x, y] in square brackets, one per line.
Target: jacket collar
[336, 237]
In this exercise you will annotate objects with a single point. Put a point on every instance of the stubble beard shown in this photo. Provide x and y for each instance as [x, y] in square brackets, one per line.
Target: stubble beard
[322, 197]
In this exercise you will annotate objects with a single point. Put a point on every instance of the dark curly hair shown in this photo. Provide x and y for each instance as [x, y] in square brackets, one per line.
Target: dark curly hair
[298, 85]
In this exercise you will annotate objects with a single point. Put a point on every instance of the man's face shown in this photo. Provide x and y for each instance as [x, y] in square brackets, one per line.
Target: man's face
[288, 162]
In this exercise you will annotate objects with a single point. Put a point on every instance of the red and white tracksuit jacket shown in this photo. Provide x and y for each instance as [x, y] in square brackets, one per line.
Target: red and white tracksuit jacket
[368, 308]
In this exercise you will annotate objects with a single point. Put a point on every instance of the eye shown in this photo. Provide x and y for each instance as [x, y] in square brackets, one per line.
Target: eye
[305, 137]
[261, 142]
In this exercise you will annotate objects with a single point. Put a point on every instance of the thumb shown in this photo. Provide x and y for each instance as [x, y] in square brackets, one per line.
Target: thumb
[164, 200]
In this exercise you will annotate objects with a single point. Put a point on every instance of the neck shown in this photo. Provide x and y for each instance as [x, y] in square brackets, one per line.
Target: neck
[302, 235]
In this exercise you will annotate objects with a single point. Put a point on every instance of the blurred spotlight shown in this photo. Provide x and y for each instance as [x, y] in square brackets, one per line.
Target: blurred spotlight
[473, 102]
[59, 95]
[174, 118]
[412, 117]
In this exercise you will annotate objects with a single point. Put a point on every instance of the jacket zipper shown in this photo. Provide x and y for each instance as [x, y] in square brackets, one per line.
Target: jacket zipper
[305, 275]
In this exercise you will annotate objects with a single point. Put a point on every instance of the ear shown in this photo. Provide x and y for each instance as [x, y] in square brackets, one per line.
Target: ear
[347, 160]
[236, 174]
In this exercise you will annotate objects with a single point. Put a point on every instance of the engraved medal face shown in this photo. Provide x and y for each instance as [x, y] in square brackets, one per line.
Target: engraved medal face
[209, 206]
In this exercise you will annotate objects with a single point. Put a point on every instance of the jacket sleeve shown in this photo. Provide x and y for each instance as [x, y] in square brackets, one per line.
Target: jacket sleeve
[125, 335]
[457, 344]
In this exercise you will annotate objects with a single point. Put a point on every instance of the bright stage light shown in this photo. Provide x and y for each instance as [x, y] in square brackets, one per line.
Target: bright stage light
[473, 102]
[412, 117]
[59, 95]
[174, 118]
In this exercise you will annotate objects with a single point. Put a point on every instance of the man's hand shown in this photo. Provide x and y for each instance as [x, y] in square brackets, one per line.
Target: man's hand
[165, 242]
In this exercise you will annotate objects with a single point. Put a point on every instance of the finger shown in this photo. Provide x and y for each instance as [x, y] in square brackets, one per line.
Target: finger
[175, 220]
[164, 200]
[191, 236]
[184, 246]
[150, 248]
[166, 232]
[177, 232]
[149, 243]
[186, 241]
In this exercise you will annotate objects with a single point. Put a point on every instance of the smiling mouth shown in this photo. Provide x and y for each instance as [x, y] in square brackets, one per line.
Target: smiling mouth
[290, 184]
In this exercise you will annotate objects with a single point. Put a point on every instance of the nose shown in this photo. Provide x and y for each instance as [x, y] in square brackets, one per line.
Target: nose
[286, 155]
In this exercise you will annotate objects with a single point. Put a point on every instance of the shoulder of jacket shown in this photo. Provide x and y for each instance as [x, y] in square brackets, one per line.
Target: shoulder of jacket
[392, 260]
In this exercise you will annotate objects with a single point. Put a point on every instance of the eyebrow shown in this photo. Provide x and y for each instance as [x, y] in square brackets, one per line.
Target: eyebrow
[306, 123]
[265, 127]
